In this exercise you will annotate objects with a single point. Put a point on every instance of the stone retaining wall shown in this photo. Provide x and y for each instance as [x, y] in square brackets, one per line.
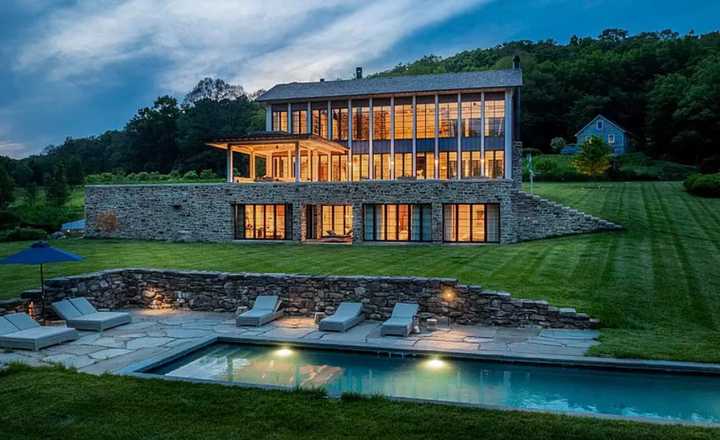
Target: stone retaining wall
[537, 218]
[204, 212]
[303, 295]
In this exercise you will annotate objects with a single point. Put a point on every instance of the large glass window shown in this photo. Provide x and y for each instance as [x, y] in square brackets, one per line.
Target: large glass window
[471, 115]
[320, 121]
[361, 121]
[360, 166]
[448, 165]
[401, 222]
[425, 165]
[263, 222]
[339, 167]
[381, 162]
[495, 164]
[403, 120]
[329, 221]
[340, 121]
[299, 121]
[281, 165]
[381, 121]
[403, 165]
[471, 164]
[494, 114]
[471, 223]
[425, 117]
[279, 120]
[448, 115]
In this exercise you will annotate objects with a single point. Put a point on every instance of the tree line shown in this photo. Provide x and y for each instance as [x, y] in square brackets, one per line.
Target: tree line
[662, 87]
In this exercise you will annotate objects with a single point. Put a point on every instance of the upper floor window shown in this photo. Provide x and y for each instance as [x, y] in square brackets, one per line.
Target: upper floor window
[403, 119]
[472, 115]
[360, 122]
[381, 120]
[599, 124]
[299, 121]
[611, 139]
[340, 121]
[425, 117]
[320, 121]
[279, 120]
[495, 114]
[448, 114]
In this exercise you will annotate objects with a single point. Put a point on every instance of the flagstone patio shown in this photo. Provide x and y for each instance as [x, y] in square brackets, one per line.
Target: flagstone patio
[155, 331]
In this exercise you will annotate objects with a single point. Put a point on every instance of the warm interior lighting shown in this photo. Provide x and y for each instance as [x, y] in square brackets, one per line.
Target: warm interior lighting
[283, 352]
[435, 364]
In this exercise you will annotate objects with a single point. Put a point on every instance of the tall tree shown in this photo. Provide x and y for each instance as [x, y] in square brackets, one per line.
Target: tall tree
[7, 188]
[152, 137]
[57, 189]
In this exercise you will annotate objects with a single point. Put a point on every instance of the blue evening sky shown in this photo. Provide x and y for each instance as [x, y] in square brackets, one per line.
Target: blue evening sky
[80, 67]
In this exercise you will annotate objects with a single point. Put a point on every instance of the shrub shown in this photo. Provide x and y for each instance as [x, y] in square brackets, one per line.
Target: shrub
[704, 185]
[710, 164]
[207, 174]
[190, 175]
[142, 176]
[23, 234]
[174, 174]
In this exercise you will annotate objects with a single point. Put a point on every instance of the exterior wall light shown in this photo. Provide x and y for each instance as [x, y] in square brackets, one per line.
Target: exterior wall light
[448, 294]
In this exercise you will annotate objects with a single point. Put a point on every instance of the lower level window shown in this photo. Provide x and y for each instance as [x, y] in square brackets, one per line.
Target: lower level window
[329, 221]
[472, 223]
[263, 222]
[397, 222]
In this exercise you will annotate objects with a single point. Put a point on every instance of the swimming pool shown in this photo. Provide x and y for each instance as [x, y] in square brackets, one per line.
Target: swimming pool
[656, 396]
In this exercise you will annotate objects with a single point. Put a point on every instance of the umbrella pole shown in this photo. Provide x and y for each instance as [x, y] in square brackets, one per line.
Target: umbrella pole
[42, 294]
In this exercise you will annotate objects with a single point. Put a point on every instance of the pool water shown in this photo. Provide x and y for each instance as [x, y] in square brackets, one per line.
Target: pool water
[684, 398]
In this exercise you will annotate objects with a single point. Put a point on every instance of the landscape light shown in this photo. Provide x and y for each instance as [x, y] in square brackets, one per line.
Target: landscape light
[435, 364]
[283, 352]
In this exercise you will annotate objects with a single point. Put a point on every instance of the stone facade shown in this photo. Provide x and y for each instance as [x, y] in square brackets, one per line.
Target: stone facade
[204, 212]
[303, 295]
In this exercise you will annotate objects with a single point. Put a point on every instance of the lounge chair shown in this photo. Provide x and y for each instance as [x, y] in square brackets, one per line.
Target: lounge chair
[401, 320]
[80, 314]
[18, 330]
[346, 317]
[264, 311]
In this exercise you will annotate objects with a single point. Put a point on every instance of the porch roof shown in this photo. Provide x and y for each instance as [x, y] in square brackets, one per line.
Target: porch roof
[269, 141]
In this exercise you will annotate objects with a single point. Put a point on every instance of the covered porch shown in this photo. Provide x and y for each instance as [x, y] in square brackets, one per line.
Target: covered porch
[278, 156]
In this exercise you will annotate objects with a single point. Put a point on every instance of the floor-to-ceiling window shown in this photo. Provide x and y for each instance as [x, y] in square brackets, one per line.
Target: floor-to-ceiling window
[263, 222]
[381, 163]
[425, 117]
[425, 165]
[361, 136]
[397, 222]
[471, 223]
[471, 141]
[495, 164]
[403, 165]
[447, 164]
[320, 119]
[279, 118]
[339, 120]
[329, 221]
[494, 120]
[299, 118]
[447, 116]
[338, 167]
[403, 118]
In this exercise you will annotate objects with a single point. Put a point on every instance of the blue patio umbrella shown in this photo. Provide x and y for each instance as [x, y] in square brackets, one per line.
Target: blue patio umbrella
[41, 253]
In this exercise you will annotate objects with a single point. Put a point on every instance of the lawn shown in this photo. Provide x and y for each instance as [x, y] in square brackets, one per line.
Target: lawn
[52, 403]
[654, 286]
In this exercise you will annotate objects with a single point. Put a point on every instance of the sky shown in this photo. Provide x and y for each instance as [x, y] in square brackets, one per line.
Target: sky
[74, 68]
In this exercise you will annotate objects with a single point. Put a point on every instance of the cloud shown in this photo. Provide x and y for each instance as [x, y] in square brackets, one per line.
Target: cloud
[255, 43]
[15, 150]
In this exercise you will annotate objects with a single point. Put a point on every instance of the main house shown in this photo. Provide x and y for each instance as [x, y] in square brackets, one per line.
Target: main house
[427, 158]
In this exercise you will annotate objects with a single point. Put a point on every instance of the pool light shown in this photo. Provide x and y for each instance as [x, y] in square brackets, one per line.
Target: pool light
[283, 352]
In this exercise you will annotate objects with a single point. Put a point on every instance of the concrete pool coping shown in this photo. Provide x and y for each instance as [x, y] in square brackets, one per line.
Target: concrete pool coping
[140, 370]
[637, 365]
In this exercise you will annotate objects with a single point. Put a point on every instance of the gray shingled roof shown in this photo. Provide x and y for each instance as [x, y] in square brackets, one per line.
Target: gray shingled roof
[395, 84]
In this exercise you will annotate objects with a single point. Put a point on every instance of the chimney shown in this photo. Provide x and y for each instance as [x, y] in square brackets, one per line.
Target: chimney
[358, 73]
[516, 62]
[322, 80]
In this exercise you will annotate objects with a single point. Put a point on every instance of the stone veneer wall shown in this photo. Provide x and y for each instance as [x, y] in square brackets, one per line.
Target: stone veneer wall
[303, 295]
[203, 212]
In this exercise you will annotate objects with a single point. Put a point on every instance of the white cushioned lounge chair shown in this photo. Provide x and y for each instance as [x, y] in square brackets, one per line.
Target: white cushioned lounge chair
[265, 309]
[80, 314]
[18, 330]
[401, 320]
[346, 317]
